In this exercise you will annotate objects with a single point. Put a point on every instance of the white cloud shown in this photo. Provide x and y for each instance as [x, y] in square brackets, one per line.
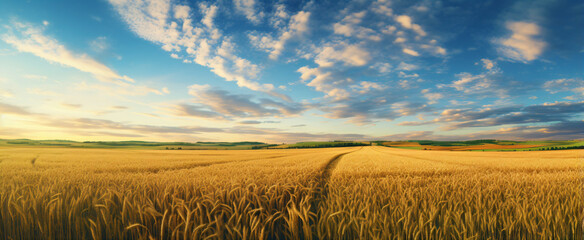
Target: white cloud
[440, 50]
[523, 44]
[399, 40]
[348, 27]
[407, 67]
[466, 80]
[389, 30]
[432, 97]
[406, 84]
[46, 23]
[165, 90]
[181, 12]
[410, 52]
[27, 38]
[433, 48]
[215, 103]
[345, 30]
[350, 55]
[324, 82]
[99, 44]
[365, 86]
[404, 75]
[382, 67]
[406, 22]
[383, 10]
[478, 84]
[297, 26]
[249, 9]
[418, 29]
[209, 12]
[422, 8]
[488, 64]
[96, 18]
[148, 19]
[154, 21]
[279, 16]
[574, 85]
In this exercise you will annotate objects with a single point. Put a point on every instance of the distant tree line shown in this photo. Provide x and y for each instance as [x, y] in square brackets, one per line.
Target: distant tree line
[331, 144]
[264, 146]
[562, 148]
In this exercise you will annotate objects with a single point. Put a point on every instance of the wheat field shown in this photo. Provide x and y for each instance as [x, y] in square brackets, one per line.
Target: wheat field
[335, 193]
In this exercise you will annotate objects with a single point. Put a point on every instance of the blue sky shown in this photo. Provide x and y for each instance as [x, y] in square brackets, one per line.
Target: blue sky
[288, 71]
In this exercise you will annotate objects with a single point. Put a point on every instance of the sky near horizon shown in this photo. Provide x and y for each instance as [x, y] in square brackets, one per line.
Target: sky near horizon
[289, 71]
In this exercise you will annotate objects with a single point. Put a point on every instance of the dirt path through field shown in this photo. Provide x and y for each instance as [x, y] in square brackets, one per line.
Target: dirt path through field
[322, 181]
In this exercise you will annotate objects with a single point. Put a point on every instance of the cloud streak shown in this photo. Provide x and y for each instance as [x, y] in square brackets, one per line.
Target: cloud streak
[219, 104]
[30, 39]
[543, 113]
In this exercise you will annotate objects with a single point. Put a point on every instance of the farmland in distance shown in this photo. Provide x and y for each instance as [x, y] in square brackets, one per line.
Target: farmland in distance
[361, 192]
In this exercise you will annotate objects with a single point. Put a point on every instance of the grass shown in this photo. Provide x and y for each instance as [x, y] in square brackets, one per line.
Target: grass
[328, 193]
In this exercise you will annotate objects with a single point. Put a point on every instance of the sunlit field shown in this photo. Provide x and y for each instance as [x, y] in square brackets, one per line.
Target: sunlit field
[327, 193]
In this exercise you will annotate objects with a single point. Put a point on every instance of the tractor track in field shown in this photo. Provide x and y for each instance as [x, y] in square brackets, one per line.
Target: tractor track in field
[322, 182]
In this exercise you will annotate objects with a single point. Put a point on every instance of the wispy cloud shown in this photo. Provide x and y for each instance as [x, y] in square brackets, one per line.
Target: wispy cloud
[410, 52]
[189, 110]
[575, 85]
[250, 9]
[487, 84]
[126, 89]
[542, 113]
[432, 97]
[323, 81]
[13, 109]
[566, 130]
[349, 27]
[406, 22]
[349, 55]
[220, 104]
[297, 25]
[99, 44]
[28, 38]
